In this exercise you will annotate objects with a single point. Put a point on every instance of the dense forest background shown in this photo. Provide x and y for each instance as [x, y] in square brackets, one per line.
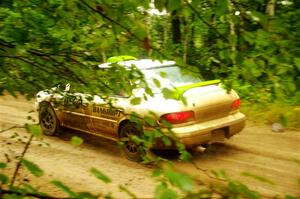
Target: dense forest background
[252, 46]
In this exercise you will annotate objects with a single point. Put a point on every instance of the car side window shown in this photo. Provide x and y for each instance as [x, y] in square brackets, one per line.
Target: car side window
[116, 89]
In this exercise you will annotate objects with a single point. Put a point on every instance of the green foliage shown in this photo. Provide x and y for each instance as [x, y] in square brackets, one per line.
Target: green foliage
[3, 179]
[156, 82]
[179, 185]
[135, 101]
[160, 134]
[71, 193]
[221, 7]
[182, 181]
[98, 174]
[283, 120]
[290, 197]
[2, 165]
[64, 188]
[169, 94]
[235, 189]
[171, 184]
[34, 129]
[220, 175]
[185, 156]
[256, 177]
[173, 5]
[238, 189]
[162, 191]
[126, 190]
[239, 47]
[44, 43]
[76, 141]
[32, 168]
[269, 113]
[150, 121]
[12, 196]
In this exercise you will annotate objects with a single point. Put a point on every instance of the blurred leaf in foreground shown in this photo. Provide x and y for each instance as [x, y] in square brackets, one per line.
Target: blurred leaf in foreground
[76, 141]
[98, 174]
[32, 168]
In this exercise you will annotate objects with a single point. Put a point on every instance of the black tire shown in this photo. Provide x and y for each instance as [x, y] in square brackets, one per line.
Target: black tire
[205, 145]
[48, 120]
[132, 150]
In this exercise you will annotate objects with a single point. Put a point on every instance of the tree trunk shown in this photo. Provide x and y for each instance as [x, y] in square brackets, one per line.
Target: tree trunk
[231, 31]
[166, 33]
[176, 28]
[103, 54]
[270, 11]
[149, 33]
[185, 41]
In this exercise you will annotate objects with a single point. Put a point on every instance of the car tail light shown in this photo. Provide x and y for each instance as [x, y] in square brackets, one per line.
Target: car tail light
[236, 104]
[179, 117]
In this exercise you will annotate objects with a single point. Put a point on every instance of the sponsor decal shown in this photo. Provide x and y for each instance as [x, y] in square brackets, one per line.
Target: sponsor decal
[106, 111]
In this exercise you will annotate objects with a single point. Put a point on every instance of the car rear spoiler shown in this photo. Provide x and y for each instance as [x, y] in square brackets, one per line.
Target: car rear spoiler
[182, 89]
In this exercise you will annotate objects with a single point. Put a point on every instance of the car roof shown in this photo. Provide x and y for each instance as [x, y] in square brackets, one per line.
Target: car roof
[140, 64]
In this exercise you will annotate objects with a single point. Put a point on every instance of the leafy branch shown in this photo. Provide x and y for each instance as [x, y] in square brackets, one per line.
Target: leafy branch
[203, 20]
[22, 194]
[12, 127]
[100, 12]
[19, 163]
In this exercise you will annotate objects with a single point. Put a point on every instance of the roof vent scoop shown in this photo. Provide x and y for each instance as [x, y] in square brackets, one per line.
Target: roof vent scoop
[116, 59]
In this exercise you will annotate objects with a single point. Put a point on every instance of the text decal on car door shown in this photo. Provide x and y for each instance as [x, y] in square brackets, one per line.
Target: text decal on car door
[106, 111]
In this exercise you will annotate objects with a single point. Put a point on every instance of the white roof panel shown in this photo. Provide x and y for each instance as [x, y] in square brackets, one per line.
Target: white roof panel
[140, 64]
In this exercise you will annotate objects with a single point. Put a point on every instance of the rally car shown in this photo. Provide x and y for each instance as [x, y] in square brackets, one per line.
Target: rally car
[208, 113]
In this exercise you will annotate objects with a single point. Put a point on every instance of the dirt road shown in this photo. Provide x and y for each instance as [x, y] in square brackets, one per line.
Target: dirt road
[256, 150]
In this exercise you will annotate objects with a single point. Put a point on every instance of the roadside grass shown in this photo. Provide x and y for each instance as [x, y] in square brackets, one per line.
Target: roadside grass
[269, 113]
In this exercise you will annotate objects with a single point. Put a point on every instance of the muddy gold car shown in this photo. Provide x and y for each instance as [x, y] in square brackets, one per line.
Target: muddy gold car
[208, 114]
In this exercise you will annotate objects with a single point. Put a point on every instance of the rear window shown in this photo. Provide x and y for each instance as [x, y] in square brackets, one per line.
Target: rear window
[171, 76]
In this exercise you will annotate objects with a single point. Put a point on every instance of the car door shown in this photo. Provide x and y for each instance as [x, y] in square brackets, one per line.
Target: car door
[105, 118]
[76, 111]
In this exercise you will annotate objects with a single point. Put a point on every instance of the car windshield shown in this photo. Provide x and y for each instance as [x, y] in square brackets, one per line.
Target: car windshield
[171, 76]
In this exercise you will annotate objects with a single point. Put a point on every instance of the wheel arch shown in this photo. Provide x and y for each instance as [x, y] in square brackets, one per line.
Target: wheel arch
[48, 103]
[122, 123]
[45, 102]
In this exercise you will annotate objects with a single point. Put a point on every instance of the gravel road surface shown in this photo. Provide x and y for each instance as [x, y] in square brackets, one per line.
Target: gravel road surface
[256, 150]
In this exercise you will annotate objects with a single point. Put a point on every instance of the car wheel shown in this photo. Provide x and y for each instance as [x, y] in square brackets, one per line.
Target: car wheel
[48, 120]
[132, 150]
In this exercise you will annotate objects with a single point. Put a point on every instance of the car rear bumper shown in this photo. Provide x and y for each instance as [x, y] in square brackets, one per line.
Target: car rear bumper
[210, 131]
